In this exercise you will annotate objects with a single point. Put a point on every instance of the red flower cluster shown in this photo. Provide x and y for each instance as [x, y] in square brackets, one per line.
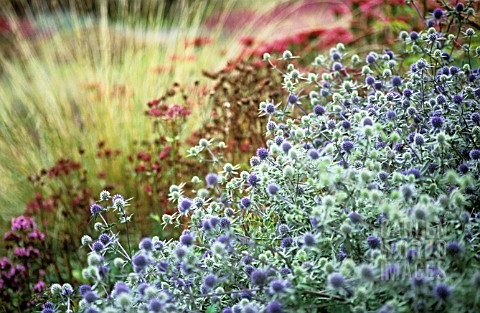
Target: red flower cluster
[198, 41]
[167, 111]
[63, 167]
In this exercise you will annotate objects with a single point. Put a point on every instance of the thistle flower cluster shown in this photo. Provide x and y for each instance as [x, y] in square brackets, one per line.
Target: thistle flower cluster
[364, 199]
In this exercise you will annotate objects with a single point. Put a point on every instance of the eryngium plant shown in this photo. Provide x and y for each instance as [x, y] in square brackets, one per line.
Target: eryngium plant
[366, 202]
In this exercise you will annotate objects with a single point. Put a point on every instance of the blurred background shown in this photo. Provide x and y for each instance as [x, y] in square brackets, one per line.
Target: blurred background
[74, 74]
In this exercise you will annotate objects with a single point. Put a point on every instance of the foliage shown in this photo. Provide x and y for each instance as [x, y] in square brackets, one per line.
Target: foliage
[364, 199]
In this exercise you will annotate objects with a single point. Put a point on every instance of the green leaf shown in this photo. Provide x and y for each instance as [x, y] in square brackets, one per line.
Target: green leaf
[212, 308]
[155, 217]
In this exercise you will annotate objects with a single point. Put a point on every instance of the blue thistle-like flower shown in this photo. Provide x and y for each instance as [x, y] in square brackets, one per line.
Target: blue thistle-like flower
[155, 305]
[252, 180]
[313, 154]
[283, 229]
[416, 173]
[442, 291]
[421, 64]
[417, 280]
[407, 192]
[140, 261]
[117, 197]
[179, 251]
[245, 202]
[277, 286]
[211, 179]
[346, 125]
[279, 140]
[355, 217]
[284, 271]
[95, 208]
[224, 223]
[90, 296]
[407, 93]
[438, 13]
[209, 281]
[453, 70]
[457, 99]
[378, 85]
[383, 176]
[186, 240]
[373, 242]
[185, 205]
[214, 221]
[83, 289]
[262, 153]
[370, 80]
[286, 146]
[441, 99]
[390, 272]
[335, 56]
[98, 246]
[370, 59]
[459, 7]
[347, 146]
[337, 66]
[271, 126]
[162, 266]
[255, 161]
[367, 121]
[396, 81]
[309, 240]
[453, 248]
[120, 287]
[248, 269]
[319, 110]
[274, 307]
[463, 168]
[104, 238]
[474, 154]
[292, 98]
[331, 124]
[258, 277]
[475, 117]
[411, 111]
[336, 280]
[413, 36]
[272, 189]
[146, 244]
[237, 308]
[437, 121]
[286, 242]
[411, 255]
[445, 71]
[270, 108]
[391, 115]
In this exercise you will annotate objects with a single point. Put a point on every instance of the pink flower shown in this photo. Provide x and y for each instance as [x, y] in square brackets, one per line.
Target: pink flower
[23, 222]
[36, 235]
[40, 286]
[164, 152]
